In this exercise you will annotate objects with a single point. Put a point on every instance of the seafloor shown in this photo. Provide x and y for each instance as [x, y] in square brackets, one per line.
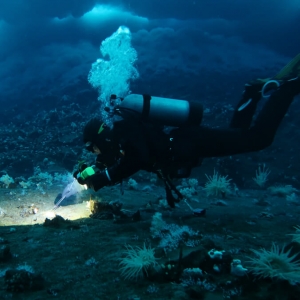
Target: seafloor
[80, 259]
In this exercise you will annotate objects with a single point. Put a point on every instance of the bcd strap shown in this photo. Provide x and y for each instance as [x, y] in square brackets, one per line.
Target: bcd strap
[146, 106]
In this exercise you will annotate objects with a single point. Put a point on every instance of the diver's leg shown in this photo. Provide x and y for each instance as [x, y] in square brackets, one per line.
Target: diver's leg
[274, 110]
[244, 112]
[212, 142]
[245, 109]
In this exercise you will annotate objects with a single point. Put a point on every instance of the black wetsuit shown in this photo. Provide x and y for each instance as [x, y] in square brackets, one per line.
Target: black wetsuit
[143, 147]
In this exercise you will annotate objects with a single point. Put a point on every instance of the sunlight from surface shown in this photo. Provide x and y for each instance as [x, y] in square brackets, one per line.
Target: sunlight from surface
[102, 13]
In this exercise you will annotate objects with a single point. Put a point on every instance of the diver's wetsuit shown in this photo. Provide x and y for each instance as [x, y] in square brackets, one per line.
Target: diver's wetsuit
[142, 147]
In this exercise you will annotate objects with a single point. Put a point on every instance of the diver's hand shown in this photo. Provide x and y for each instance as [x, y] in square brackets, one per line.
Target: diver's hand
[82, 181]
[84, 175]
[95, 182]
[81, 168]
[88, 182]
[78, 178]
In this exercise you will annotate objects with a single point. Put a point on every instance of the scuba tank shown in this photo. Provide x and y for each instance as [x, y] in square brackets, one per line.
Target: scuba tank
[164, 111]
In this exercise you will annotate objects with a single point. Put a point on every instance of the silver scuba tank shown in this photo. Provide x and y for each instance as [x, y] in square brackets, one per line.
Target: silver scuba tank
[165, 111]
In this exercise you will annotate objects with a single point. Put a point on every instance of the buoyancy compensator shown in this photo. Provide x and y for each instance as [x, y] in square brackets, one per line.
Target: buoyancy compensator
[164, 111]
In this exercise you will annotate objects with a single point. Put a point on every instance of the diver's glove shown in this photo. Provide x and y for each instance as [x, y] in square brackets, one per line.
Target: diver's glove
[84, 174]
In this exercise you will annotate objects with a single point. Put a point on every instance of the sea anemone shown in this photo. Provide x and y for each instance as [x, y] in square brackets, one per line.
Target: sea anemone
[137, 261]
[217, 185]
[276, 264]
[296, 236]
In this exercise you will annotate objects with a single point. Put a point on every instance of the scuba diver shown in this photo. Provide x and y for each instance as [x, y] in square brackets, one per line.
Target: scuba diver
[138, 142]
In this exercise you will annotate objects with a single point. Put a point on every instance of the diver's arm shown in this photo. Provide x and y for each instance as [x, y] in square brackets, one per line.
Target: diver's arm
[122, 169]
[136, 155]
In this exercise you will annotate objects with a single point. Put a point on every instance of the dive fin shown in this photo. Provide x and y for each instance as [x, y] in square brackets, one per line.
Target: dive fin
[291, 69]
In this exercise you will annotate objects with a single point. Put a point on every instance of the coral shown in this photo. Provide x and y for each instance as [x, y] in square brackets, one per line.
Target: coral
[91, 262]
[25, 267]
[237, 269]
[6, 180]
[171, 235]
[137, 261]
[24, 184]
[188, 192]
[132, 184]
[216, 254]
[40, 176]
[275, 264]
[193, 182]
[174, 234]
[188, 188]
[157, 225]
